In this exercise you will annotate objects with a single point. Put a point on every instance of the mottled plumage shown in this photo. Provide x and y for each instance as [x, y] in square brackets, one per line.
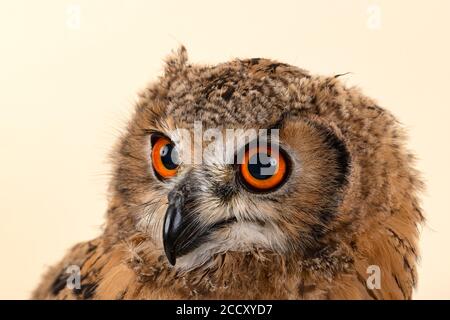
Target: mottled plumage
[349, 202]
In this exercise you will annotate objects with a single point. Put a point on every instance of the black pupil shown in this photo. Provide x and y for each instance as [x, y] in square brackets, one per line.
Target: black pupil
[169, 156]
[262, 166]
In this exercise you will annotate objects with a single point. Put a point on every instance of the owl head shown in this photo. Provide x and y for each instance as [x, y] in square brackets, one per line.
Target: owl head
[259, 155]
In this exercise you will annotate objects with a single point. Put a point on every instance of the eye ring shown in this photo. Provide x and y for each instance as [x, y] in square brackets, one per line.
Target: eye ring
[162, 158]
[251, 172]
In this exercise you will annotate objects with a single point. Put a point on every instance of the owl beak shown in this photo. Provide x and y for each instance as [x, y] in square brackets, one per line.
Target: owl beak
[173, 227]
[182, 231]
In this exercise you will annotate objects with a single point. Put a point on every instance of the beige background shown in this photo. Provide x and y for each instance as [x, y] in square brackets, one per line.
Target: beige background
[68, 83]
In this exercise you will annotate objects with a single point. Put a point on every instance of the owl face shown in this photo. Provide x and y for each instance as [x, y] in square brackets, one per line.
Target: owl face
[214, 161]
[277, 195]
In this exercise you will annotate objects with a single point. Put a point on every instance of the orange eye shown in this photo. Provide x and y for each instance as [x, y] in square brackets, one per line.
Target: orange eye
[164, 158]
[261, 170]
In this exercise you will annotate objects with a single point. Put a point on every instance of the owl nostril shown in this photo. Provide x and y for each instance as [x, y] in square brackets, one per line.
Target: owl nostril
[175, 198]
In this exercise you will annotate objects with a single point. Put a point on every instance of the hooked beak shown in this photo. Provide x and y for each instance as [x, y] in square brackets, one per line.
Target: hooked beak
[182, 232]
[173, 223]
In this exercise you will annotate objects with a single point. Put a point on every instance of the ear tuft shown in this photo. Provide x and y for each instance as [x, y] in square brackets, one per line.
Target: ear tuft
[176, 61]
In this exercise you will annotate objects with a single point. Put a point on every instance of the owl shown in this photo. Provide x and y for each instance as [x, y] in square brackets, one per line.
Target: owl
[252, 179]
